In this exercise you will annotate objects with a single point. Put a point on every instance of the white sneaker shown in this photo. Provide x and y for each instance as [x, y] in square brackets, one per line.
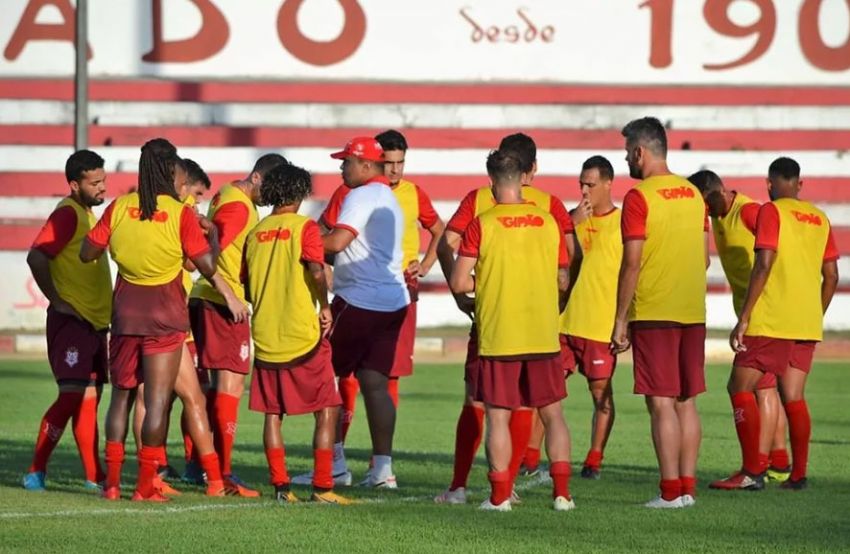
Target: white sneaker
[659, 502]
[457, 496]
[490, 507]
[342, 479]
[688, 500]
[562, 504]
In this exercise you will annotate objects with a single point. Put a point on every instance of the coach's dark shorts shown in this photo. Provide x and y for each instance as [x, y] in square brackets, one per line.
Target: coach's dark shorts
[364, 339]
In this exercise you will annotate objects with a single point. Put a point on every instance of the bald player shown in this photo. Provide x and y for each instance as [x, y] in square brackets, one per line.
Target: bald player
[733, 223]
[796, 257]
[661, 305]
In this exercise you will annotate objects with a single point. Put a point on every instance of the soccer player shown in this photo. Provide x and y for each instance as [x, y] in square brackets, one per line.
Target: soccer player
[733, 222]
[661, 304]
[77, 319]
[470, 423]
[223, 344]
[371, 297]
[796, 257]
[148, 234]
[520, 286]
[285, 279]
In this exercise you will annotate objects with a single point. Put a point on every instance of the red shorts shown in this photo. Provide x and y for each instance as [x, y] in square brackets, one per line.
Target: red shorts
[592, 358]
[471, 368]
[76, 351]
[364, 339]
[126, 352]
[300, 387]
[669, 359]
[203, 374]
[513, 384]
[403, 362]
[773, 356]
[221, 343]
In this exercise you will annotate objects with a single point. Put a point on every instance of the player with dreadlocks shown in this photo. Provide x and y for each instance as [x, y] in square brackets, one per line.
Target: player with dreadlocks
[148, 233]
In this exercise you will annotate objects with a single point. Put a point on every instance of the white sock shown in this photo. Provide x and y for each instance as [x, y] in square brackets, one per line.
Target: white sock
[339, 465]
[382, 467]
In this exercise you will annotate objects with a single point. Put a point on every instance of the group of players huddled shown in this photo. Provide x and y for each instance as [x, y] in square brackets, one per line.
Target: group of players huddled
[549, 292]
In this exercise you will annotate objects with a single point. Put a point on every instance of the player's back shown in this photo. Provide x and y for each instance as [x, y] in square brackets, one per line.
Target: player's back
[734, 236]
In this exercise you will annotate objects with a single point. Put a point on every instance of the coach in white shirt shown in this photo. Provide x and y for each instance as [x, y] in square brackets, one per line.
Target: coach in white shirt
[370, 294]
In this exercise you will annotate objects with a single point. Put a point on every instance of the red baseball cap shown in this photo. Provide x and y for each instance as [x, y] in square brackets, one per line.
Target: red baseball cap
[365, 148]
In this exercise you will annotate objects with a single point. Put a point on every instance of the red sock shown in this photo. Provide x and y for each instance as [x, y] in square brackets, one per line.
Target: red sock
[323, 459]
[500, 486]
[210, 465]
[224, 428]
[779, 458]
[348, 389]
[52, 426]
[520, 427]
[532, 457]
[671, 489]
[747, 424]
[470, 428]
[392, 389]
[85, 433]
[188, 444]
[148, 461]
[593, 459]
[560, 472]
[800, 431]
[114, 458]
[689, 486]
[276, 457]
[162, 461]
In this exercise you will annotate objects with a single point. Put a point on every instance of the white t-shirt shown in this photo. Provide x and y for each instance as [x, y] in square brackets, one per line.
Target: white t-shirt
[368, 273]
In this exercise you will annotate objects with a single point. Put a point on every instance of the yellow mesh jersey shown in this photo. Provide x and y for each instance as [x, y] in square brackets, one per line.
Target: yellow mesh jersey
[735, 248]
[516, 295]
[86, 287]
[790, 304]
[593, 300]
[408, 200]
[285, 324]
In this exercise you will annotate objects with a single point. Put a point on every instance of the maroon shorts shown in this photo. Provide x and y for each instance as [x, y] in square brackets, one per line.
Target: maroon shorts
[513, 384]
[669, 359]
[302, 386]
[221, 343]
[592, 358]
[403, 362]
[471, 368]
[126, 351]
[364, 339]
[203, 374]
[773, 356]
[76, 351]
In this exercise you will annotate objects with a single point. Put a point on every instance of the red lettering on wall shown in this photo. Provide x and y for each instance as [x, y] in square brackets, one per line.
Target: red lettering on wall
[36, 299]
[318, 52]
[28, 29]
[527, 32]
[811, 43]
[209, 40]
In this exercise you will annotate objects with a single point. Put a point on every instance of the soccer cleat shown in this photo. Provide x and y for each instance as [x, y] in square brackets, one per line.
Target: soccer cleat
[111, 493]
[216, 488]
[388, 482]
[588, 472]
[34, 481]
[739, 481]
[780, 475]
[562, 504]
[167, 472]
[529, 471]
[156, 496]
[366, 478]
[448, 496]
[659, 503]
[194, 475]
[234, 486]
[688, 500]
[330, 497]
[341, 479]
[282, 495]
[488, 506]
[92, 486]
[791, 485]
[164, 488]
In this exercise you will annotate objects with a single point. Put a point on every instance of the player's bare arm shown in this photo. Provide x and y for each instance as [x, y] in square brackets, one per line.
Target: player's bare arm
[575, 265]
[761, 271]
[462, 280]
[829, 271]
[707, 257]
[563, 288]
[39, 265]
[626, 285]
[446, 247]
[337, 240]
[436, 231]
[206, 264]
[317, 273]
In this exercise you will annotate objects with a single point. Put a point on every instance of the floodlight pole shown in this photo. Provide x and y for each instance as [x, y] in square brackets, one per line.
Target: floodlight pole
[81, 77]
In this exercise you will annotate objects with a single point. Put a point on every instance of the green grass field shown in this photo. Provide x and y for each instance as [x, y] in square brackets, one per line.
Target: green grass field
[609, 516]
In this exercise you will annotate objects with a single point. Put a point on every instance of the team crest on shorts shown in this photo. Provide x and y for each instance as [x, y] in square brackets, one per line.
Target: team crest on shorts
[244, 351]
[72, 357]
